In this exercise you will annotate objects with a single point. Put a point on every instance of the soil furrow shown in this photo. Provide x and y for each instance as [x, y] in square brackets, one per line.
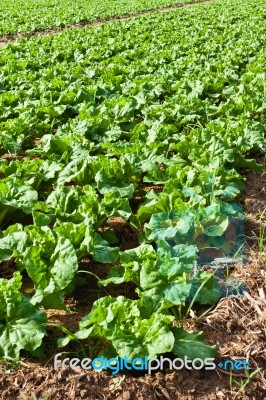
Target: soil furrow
[50, 31]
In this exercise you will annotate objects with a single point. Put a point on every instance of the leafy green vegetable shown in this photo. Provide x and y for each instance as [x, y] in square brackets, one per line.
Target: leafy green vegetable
[22, 326]
[191, 345]
[119, 321]
[15, 195]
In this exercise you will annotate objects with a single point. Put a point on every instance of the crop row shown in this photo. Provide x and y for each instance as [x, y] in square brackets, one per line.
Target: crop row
[18, 16]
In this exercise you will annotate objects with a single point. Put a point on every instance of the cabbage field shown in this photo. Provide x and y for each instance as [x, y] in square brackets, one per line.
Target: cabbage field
[152, 121]
[17, 16]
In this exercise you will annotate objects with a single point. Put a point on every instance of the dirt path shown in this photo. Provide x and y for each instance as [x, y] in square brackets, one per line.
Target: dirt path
[11, 38]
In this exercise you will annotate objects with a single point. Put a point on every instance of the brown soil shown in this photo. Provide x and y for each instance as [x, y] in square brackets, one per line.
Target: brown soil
[237, 325]
[254, 203]
[11, 38]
